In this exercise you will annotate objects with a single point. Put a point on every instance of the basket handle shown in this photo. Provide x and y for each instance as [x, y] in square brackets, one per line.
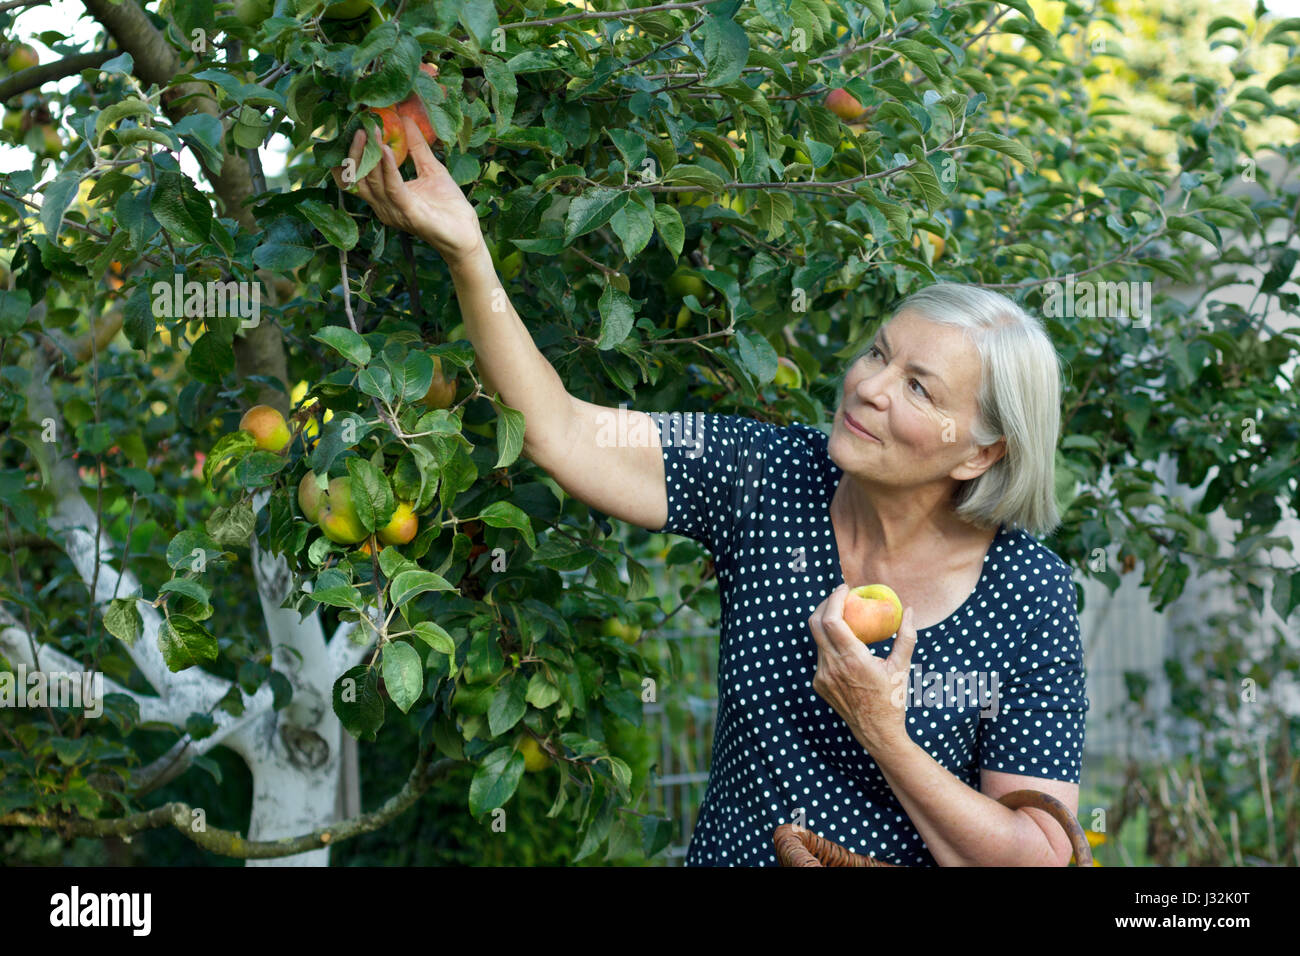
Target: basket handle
[798, 846]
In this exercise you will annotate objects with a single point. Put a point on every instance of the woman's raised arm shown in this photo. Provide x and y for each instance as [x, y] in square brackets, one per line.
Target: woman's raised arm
[584, 447]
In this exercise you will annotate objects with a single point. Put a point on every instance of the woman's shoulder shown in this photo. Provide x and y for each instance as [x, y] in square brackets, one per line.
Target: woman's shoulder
[1027, 566]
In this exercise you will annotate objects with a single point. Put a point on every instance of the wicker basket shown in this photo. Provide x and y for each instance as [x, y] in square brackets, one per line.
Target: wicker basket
[796, 846]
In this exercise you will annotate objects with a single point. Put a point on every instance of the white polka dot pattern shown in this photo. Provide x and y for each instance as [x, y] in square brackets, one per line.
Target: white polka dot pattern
[758, 495]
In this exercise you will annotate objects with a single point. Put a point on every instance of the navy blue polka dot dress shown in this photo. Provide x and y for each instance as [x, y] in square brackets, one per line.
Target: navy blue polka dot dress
[758, 496]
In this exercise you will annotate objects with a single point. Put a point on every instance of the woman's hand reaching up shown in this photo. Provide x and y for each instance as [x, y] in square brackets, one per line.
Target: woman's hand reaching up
[430, 206]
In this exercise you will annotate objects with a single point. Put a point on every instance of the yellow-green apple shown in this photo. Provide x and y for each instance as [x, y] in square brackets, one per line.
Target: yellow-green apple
[442, 390]
[535, 759]
[873, 612]
[682, 283]
[683, 317]
[402, 527]
[267, 426]
[51, 140]
[22, 57]
[934, 242]
[309, 497]
[615, 627]
[251, 13]
[512, 265]
[787, 373]
[338, 516]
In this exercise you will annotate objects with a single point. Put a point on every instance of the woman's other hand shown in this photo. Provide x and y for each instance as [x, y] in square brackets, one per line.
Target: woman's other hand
[430, 206]
[869, 692]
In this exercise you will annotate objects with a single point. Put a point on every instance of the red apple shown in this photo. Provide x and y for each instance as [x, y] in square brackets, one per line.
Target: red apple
[843, 104]
[394, 132]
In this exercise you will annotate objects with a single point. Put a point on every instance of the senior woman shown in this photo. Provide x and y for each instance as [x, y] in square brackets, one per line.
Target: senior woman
[935, 477]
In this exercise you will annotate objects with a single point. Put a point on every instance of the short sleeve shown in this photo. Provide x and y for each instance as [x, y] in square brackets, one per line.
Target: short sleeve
[712, 469]
[1037, 726]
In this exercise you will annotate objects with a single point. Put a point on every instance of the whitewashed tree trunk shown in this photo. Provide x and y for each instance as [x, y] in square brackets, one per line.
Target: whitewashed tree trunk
[295, 755]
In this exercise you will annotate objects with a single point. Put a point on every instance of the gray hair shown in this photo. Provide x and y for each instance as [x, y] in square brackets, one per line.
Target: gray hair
[1019, 399]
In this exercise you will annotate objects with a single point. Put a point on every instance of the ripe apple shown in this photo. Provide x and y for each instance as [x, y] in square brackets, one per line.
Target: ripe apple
[934, 242]
[442, 391]
[535, 758]
[310, 497]
[394, 132]
[365, 548]
[787, 374]
[338, 516]
[22, 57]
[683, 283]
[843, 104]
[267, 427]
[873, 612]
[615, 627]
[402, 527]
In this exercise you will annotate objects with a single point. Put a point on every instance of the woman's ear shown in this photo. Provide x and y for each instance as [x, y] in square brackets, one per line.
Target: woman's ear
[984, 458]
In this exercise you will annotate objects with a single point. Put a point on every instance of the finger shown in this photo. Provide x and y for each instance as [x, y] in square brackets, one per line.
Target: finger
[901, 654]
[839, 636]
[426, 164]
[354, 154]
[390, 175]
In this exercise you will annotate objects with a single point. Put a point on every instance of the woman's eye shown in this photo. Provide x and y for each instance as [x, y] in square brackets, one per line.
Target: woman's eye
[921, 387]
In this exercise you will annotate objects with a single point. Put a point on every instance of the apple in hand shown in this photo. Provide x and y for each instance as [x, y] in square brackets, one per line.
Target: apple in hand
[873, 612]
[267, 426]
[402, 527]
[394, 132]
[338, 516]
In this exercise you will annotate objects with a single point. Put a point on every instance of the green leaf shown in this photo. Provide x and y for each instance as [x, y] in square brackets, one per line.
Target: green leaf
[617, 315]
[185, 642]
[181, 209]
[501, 514]
[726, 49]
[433, 635]
[412, 376]
[338, 228]
[541, 693]
[410, 583]
[231, 447]
[123, 621]
[346, 342]
[671, 231]
[372, 495]
[1127, 180]
[510, 435]
[1195, 226]
[403, 674]
[1001, 144]
[357, 702]
[592, 210]
[232, 526]
[15, 305]
[58, 197]
[495, 780]
[508, 706]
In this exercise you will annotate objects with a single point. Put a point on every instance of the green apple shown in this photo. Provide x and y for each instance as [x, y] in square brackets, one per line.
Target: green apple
[338, 515]
[616, 627]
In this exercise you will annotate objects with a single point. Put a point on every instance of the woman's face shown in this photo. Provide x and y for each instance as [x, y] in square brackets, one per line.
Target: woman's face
[916, 392]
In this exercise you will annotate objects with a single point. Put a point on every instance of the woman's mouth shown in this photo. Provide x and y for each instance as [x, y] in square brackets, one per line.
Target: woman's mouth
[855, 427]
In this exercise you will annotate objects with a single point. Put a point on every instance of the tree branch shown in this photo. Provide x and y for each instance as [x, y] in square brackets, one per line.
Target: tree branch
[37, 76]
[230, 842]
